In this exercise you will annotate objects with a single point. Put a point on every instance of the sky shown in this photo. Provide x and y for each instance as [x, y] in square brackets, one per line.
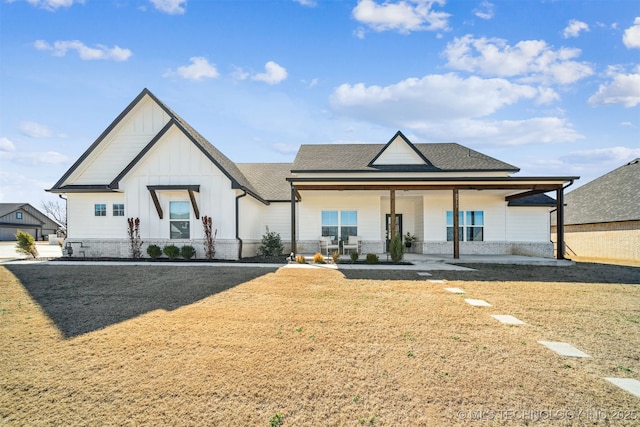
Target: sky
[552, 87]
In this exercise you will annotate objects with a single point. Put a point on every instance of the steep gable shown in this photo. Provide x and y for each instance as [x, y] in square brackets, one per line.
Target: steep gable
[399, 151]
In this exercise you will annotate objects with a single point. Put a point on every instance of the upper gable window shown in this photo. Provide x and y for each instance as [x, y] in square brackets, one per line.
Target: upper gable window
[18, 215]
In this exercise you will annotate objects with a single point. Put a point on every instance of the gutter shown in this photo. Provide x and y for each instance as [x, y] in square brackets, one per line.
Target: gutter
[238, 223]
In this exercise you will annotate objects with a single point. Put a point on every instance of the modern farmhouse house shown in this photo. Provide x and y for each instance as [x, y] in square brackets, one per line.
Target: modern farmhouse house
[152, 165]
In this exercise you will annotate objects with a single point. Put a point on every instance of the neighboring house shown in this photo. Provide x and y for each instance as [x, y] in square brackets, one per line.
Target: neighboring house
[150, 164]
[602, 218]
[24, 217]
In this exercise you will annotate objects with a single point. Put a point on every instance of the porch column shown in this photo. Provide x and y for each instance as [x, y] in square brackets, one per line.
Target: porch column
[560, 222]
[392, 211]
[293, 219]
[456, 225]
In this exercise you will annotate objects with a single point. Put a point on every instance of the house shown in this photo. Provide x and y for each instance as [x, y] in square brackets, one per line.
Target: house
[24, 217]
[152, 165]
[602, 217]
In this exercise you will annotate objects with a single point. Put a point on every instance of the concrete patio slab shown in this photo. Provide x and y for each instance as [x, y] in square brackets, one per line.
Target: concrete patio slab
[454, 290]
[508, 319]
[563, 349]
[423, 273]
[477, 302]
[628, 384]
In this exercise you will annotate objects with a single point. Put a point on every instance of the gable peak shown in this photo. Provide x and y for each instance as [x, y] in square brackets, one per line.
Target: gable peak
[399, 151]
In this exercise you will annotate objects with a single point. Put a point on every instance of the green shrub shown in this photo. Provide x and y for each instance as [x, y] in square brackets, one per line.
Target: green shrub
[271, 244]
[187, 252]
[354, 256]
[372, 259]
[396, 249]
[154, 251]
[26, 244]
[171, 251]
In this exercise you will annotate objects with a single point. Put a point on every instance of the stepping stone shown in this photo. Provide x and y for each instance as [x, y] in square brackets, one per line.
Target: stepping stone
[435, 281]
[477, 302]
[508, 319]
[423, 273]
[563, 349]
[454, 290]
[628, 384]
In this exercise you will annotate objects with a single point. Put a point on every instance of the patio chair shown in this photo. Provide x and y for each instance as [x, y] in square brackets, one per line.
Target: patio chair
[326, 244]
[353, 243]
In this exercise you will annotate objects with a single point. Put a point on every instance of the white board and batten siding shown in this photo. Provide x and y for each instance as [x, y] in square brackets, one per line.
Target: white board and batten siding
[528, 224]
[399, 153]
[122, 145]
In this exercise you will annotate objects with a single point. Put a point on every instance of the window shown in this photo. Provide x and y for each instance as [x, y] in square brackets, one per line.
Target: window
[348, 224]
[118, 209]
[340, 224]
[330, 223]
[100, 209]
[179, 214]
[472, 222]
[18, 215]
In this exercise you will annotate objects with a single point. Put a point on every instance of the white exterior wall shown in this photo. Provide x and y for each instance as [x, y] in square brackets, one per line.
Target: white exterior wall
[82, 222]
[528, 224]
[122, 145]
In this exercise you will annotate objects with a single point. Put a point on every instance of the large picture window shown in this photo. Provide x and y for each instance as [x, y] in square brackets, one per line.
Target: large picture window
[340, 224]
[470, 226]
[179, 214]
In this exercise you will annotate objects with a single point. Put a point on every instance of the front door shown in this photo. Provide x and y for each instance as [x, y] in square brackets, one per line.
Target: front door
[388, 227]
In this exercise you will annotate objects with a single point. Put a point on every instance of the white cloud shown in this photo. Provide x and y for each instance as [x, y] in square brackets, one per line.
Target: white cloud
[200, 68]
[627, 124]
[528, 60]
[622, 89]
[446, 107]
[403, 16]
[484, 11]
[273, 74]
[35, 158]
[631, 37]
[308, 3]
[60, 48]
[574, 28]
[6, 144]
[286, 148]
[51, 5]
[34, 130]
[617, 155]
[239, 74]
[172, 7]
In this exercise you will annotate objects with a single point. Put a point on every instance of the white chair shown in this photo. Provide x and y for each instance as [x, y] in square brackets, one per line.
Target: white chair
[326, 244]
[353, 243]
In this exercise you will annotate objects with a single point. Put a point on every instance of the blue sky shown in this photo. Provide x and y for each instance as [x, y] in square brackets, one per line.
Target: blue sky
[552, 87]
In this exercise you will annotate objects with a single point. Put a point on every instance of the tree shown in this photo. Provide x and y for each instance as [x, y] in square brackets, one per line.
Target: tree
[396, 248]
[56, 211]
[26, 244]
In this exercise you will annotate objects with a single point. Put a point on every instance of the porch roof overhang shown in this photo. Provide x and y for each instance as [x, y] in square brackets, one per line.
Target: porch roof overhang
[521, 186]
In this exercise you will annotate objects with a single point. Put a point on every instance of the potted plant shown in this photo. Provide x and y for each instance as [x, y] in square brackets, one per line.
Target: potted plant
[409, 239]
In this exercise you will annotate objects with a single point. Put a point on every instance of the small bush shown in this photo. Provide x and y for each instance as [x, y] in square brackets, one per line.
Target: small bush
[318, 258]
[154, 251]
[354, 256]
[372, 259]
[187, 252]
[335, 256]
[300, 259]
[171, 251]
[271, 244]
[396, 248]
[26, 244]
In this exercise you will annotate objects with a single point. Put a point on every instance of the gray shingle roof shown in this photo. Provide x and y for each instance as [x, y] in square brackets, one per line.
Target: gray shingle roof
[269, 179]
[7, 208]
[535, 200]
[445, 157]
[614, 196]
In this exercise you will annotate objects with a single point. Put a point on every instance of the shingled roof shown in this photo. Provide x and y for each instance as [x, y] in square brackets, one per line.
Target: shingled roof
[613, 197]
[269, 179]
[444, 157]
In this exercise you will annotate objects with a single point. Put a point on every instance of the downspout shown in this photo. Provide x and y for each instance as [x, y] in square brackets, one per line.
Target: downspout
[238, 224]
[66, 216]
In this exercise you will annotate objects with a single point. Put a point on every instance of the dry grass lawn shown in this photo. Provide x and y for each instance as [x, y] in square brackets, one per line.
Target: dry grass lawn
[309, 344]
